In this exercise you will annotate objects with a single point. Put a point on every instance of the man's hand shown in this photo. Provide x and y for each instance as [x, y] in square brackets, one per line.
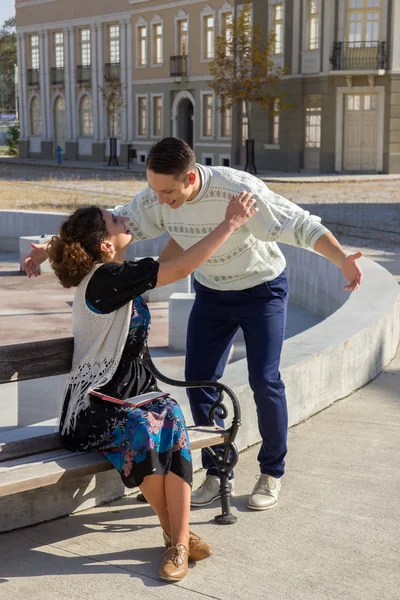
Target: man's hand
[36, 257]
[352, 271]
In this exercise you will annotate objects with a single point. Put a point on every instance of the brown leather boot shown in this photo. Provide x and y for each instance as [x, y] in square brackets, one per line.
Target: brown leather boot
[198, 549]
[174, 566]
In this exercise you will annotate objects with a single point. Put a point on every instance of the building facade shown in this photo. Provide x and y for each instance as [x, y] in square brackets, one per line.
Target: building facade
[342, 87]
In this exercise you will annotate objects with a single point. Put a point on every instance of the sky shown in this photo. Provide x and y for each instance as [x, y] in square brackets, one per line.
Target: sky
[7, 10]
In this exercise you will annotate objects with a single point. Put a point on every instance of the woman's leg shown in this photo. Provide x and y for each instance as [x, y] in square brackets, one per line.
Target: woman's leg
[153, 488]
[177, 494]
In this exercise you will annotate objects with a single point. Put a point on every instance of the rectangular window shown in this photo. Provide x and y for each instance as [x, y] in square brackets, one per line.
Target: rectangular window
[157, 116]
[157, 44]
[275, 122]
[313, 25]
[86, 53]
[226, 31]
[182, 37]
[313, 121]
[142, 116]
[142, 46]
[226, 119]
[208, 39]
[278, 28]
[208, 115]
[35, 62]
[363, 22]
[59, 49]
[113, 32]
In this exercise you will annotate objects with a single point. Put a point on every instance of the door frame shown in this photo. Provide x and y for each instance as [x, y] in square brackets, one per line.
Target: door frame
[55, 100]
[340, 99]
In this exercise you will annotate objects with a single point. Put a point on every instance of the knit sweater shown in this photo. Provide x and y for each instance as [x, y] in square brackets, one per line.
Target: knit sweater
[99, 340]
[251, 255]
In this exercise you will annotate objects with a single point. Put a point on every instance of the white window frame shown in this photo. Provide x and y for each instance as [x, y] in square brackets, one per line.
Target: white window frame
[35, 58]
[310, 17]
[181, 16]
[207, 155]
[223, 157]
[342, 20]
[152, 118]
[207, 11]
[277, 58]
[59, 46]
[81, 128]
[117, 25]
[309, 113]
[35, 98]
[141, 135]
[202, 119]
[221, 122]
[226, 9]
[84, 43]
[142, 23]
[156, 20]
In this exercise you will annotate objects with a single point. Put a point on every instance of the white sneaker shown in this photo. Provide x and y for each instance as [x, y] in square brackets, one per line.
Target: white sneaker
[209, 491]
[265, 492]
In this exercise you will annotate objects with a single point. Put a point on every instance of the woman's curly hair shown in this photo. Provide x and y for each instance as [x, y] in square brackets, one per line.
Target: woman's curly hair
[76, 249]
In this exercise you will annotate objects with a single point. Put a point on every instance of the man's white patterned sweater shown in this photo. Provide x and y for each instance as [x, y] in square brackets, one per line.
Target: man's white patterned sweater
[251, 255]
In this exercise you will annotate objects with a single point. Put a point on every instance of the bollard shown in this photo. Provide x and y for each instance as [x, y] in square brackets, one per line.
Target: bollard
[58, 155]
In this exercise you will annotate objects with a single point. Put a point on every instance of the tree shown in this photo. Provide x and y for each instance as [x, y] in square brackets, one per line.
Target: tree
[8, 61]
[114, 100]
[243, 69]
[13, 140]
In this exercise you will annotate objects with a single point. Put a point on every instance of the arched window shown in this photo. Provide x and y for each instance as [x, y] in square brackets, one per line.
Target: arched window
[86, 114]
[36, 117]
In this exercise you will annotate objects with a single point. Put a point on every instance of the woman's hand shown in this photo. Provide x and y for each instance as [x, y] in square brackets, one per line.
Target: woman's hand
[36, 257]
[352, 271]
[240, 209]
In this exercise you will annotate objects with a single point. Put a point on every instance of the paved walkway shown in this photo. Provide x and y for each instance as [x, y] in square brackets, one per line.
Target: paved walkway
[334, 535]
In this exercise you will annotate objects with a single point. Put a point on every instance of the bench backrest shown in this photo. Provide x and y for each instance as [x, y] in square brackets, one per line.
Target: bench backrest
[34, 360]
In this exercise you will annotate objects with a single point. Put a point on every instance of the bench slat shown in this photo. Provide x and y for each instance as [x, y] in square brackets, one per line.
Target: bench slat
[19, 362]
[47, 468]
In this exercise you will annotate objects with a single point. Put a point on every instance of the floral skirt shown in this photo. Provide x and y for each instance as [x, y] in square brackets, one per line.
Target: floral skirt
[143, 441]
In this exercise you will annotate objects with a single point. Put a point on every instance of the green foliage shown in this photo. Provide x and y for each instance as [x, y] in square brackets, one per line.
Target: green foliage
[13, 140]
[243, 69]
[8, 60]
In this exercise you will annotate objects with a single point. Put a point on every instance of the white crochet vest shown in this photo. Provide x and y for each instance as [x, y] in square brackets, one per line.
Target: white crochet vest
[99, 340]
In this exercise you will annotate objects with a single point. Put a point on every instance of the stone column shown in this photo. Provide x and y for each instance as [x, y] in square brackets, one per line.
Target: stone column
[69, 107]
[129, 102]
[95, 89]
[72, 59]
[22, 97]
[100, 79]
[47, 99]
[42, 86]
[122, 67]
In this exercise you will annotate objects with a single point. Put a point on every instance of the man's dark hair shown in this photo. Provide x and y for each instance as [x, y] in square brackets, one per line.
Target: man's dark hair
[171, 156]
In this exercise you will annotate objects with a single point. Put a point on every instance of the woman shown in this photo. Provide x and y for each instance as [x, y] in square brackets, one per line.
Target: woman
[148, 445]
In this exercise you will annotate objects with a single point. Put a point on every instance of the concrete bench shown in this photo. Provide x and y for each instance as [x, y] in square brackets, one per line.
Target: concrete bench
[41, 480]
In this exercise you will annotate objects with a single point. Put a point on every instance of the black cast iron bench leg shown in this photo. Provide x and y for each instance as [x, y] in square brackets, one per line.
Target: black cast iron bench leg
[224, 458]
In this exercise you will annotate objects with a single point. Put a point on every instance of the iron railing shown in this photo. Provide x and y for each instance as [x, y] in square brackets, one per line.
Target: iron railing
[84, 74]
[33, 76]
[355, 56]
[111, 71]
[57, 75]
[178, 66]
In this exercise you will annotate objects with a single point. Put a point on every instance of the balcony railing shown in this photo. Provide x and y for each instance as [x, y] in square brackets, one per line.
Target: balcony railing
[33, 77]
[84, 74]
[111, 71]
[355, 56]
[178, 66]
[57, 75]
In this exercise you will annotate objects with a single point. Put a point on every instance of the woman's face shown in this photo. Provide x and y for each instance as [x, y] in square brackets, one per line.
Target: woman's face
[118, 233]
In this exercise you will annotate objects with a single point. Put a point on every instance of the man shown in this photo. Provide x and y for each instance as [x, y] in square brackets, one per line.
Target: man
[242, 285]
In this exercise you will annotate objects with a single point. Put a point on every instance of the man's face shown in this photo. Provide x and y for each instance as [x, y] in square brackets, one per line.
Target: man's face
[173, 190]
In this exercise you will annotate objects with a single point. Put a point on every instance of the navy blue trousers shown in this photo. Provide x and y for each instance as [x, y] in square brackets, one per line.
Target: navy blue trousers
[215, 318]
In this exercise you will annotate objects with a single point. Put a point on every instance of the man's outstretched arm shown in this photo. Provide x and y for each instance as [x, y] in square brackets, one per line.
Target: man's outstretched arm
[328, 246]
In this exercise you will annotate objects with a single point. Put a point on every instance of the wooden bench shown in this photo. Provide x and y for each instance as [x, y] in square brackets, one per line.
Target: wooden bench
[41, 480]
